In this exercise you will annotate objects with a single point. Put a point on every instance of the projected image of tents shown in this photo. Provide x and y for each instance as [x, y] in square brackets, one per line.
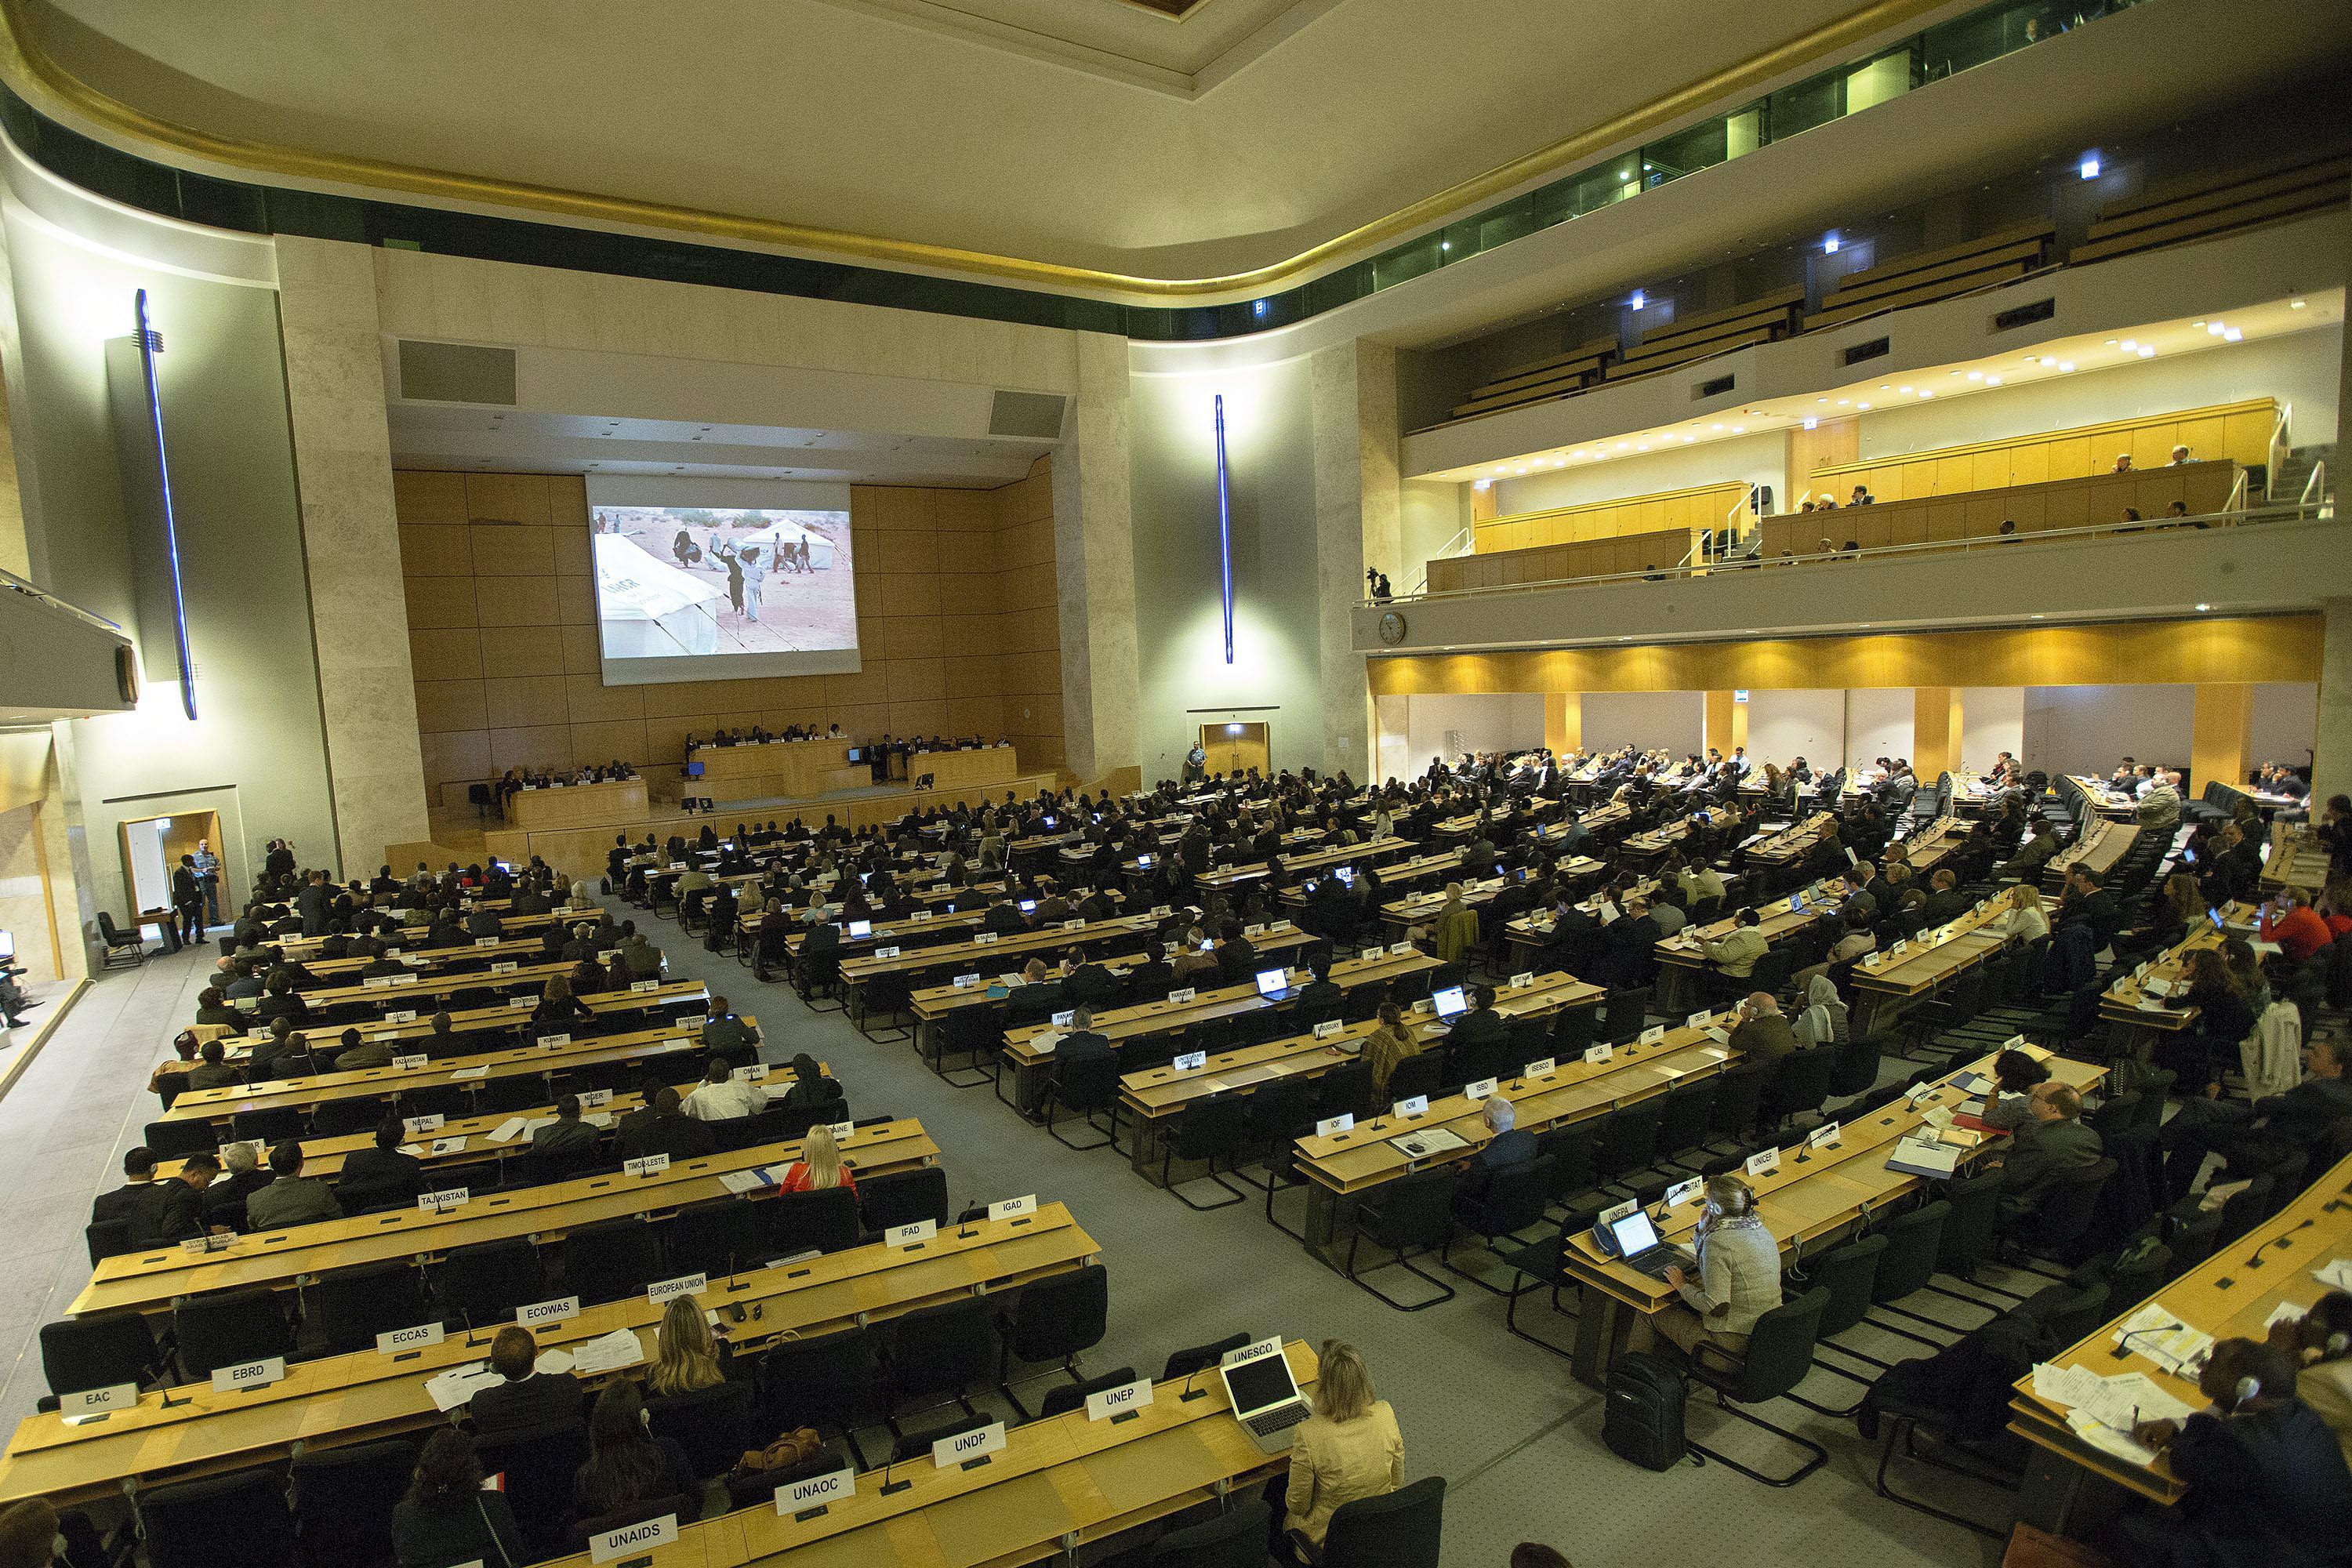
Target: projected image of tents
[648, 608]
[772, 542]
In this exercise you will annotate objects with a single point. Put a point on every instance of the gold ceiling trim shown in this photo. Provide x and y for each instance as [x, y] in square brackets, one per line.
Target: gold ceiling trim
[34, 74]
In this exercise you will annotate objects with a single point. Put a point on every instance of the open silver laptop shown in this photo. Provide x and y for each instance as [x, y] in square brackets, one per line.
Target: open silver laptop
[1265, 1397]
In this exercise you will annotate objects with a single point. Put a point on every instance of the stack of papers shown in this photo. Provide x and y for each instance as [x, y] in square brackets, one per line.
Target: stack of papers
[607, 1353]
[742, 1181]
[506, 1131]
[2164, 1338]
[460, 1384]
[2336, 1273]
[2103, 1411]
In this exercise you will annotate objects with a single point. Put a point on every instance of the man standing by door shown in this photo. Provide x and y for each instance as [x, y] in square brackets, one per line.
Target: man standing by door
[187, 898]
[208, 874]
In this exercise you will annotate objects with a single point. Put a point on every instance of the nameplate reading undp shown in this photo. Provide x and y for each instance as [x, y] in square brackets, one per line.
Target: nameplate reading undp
[969, 1447]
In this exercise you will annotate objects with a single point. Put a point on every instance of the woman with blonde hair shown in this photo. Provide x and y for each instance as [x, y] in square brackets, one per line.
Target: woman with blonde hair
[1349, 1449]
[688, 1357]
[820, 1166]
[2028, 921]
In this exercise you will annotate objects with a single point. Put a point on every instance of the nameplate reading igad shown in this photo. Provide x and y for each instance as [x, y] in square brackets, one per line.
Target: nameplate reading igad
[1124, 1400]
[1013, 1208]
[1827, 1132]
[661, 1290]
[538, 1314]
[632, 1539]
[645, 1165]
[251, 1374]
[966, 1447]
[411, 1339]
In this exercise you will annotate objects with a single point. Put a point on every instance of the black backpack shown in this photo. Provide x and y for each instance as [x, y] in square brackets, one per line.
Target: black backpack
[1644, 1419]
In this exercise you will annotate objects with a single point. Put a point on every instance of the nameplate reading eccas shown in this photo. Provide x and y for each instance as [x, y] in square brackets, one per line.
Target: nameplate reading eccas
[411, 1339]
[661, 1290]
[966, 1447]
[632, 1539]
[251, 1374]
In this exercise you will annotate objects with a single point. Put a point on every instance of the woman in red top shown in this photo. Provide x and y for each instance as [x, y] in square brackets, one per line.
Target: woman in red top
[819, 1167]
[2295, 926]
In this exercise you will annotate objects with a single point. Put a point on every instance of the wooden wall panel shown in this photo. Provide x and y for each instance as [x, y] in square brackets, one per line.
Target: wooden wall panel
[2235, 432]
[959, 629]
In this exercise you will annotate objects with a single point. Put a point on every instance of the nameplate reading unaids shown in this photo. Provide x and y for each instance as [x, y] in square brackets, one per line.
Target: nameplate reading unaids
[251, 1374]
[631, 1540]
[818, 1491]
[966, 1447]
[661, 1290]
[1120, 1401]
[538, 1314]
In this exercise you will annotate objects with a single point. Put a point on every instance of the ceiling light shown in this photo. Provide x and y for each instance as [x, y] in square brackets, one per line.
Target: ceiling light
[1481, 484]
[2235, 334]
[1638, 300]
[1811, 422]
[2127, 345]
[1642, 448]
[2213, 329]
[2066, 365]
[1907, 389]
[2148, 351]
[1846, 402]
[1862, 405]
[1992, 381]
[2294, 304]
[1716, 426]
[1976, 376]
[1622, 444]
[1445, 245]
[1830, 242]
[2033, 618]
[2202, 606]
[2045, 361]
[1739, 429]
[1924, 392]
[2091, 165]
[1688, 439]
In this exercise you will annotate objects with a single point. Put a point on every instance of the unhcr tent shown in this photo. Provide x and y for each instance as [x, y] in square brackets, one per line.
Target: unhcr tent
[648, 608]
[789, 533]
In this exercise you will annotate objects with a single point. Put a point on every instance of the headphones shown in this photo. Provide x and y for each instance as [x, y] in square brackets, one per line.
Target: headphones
[2247, 1389]
[2338, 1343]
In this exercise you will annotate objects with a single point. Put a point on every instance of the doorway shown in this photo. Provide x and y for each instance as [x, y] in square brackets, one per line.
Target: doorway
[1235, 748]
[151, 847]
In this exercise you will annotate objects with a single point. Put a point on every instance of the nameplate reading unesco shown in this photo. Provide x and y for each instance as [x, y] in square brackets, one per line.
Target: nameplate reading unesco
[633, 1539]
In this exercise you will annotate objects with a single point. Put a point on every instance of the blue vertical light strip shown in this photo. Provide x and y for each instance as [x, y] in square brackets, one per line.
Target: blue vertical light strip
[147, 344]
[1224, 528]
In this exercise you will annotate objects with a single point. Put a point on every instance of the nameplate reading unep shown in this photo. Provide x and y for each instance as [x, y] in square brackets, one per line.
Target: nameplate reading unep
[1124, 1400]
[632, 1539]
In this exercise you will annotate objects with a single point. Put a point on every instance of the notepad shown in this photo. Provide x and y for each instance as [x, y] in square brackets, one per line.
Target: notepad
[506, 1131]
[607, 1353]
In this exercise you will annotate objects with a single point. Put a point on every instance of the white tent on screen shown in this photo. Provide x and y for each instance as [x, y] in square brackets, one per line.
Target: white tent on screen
[648, 608]
[820, 548]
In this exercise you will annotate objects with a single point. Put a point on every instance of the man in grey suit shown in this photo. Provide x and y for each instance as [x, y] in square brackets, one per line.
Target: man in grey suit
[291, 1198]
[2052, 1145]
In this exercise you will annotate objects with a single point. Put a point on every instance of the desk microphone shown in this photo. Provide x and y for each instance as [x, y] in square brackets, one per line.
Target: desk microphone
[2123, 1347]
[1191, 1393]
[733, 1284]
[172, 1404]
[468, 1319]
[889, 1485]
[2282, 1242]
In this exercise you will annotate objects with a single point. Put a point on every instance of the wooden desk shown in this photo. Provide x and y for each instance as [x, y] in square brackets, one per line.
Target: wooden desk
[477, 951]
[2113, 805]
[1886, 983]
[1682, 959]
[577, 805]
[991, 956]
[337, 1400]
[479, 1020]
[1932, 845]
[775, 768]
[358, 1083]
[2223, 1296]
[2100, 846]
[1365, 853]
[1534, 929]
[961, 770]
[148, 1280]
[2299, 860]
[2121, 1004]
[1439, 863]
[1804, 1201]
[935, 1003]
[1657, 841]
[1792, 844]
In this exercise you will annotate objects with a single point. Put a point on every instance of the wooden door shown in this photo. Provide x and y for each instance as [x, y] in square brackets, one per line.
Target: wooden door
[1235, 748]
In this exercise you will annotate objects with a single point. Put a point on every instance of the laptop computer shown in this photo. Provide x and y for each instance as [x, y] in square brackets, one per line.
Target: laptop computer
[1638, 1244]
[1265, 1397]
[1273, 983]
[861, 928]
[1450, 1004]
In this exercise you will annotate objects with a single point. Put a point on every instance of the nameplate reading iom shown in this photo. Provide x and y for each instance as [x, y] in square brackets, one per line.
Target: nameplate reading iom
[632, 1539]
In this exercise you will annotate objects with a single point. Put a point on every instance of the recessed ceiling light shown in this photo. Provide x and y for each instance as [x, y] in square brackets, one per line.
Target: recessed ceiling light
[2033, 618]
[2148, 351]
[2202, 606]
[1739, 429]
[1976, 376]
[1862, 405]
[2128, 345]
[2294, 304]
[1992, 381]
[2066, 365]
[2213, 329]
[1811, 422]
[1924, 392]
[2235, 334]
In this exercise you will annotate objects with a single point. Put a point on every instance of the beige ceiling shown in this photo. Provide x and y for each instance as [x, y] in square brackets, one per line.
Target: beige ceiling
[1020, 128]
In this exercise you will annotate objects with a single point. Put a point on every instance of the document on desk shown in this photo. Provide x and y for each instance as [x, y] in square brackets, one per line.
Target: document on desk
[2100, 1436]
[2163, 1338]
[458, 1384]
[2336, 1272]
[607, 1353]
[506, 1131]
[742, 1181]
[552, 1361]
[1429, 1142]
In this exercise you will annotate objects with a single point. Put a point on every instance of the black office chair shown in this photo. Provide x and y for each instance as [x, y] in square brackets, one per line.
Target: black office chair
[1515, 1198]
[1847, 1273]
[484, 1283]
[107, 1239]
[352, 1306]
[229, 1328]
[716, 1425]
[1084, 1087]
[1053, 1320]
[538, 1464]
[1686, 1119]
[342, 1498]
[1398, 1530]
[2058, 1227]
[718, 1236]
[1799, 1086]
[832, 1383]
[1780, 1354]
[1207, 1130]
[178, 1140]
[1234, 1538]
[611, 1261]
[824, 1219]
[1628, 1142]
[1411, 1215]
[79, 1355]
[121, 947]
[904, 1197]
[182, 1523]
[1739, 1097]
[1417, 1075]
[1196, 1357]
[1065, 1397]
[937, 1353]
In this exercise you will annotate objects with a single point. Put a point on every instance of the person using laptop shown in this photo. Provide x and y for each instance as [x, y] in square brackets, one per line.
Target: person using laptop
[1349, 1449]
[1738, 1278]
